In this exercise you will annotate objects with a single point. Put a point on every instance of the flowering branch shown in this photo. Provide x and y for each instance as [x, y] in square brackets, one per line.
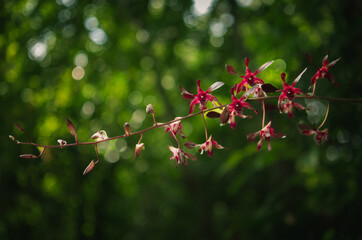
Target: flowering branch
[250, 84]
[159, 125]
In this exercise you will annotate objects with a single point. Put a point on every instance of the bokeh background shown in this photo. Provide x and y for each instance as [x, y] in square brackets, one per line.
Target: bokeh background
[101, 62]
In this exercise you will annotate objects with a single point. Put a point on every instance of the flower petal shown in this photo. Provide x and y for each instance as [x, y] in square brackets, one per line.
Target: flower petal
[250, 91]
[214, 86]
[333, 63]
[269, 88]
[186, 94]
[231, 70]
[190, 156]
[298, 78]
[263, 67]
[213, 114]
[252, 136]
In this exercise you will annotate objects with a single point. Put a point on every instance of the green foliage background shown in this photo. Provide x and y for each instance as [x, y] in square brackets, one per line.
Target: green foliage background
[138, 52]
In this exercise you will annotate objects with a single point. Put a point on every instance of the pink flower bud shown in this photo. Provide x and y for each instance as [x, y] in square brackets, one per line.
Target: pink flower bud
[150, 109]
[138, 149]
[70, 127]
[89, 167]
[28, 156]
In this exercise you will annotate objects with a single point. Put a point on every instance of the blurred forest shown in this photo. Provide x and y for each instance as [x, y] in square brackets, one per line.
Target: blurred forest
[101, 62]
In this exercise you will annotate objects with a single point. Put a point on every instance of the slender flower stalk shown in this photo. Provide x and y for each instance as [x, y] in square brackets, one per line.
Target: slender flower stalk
[325, 117]
[203, 119]
[159, 125]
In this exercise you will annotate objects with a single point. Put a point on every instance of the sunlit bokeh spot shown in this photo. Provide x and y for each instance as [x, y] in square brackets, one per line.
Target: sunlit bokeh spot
[142, 36]
[343, 136]
[69, 31]
[217, 28]
[289, 9]
[156, 6]
[201, 7]
[88, 109]
[332, 153]
[190, 20]
[216, 41]
[168, 82]
[121, 145]
[78, 73]
[135, 98]
[91, 23]
[67, 3]
[112, 156]
[29, 7]
[64, 15]
[137, 118]
[81, 59]
[227, 19]
[244, 3]
[315, 110]
[98, 36]
[37, 51]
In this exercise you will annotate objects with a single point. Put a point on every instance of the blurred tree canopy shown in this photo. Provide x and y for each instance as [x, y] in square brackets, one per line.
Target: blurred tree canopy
[101, 62]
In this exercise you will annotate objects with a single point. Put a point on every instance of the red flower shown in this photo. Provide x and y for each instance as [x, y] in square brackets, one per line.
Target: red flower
[181, 156]
[323, 72]
[208, 145]
[249, 78]
[319, 134]
[202, 96]
[175, 128]
[236, 109]
[286, 98]
[265, 134]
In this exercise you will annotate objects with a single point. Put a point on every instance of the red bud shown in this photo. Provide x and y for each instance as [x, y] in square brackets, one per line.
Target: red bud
[28, 156]
[70, 126]
[89, 167]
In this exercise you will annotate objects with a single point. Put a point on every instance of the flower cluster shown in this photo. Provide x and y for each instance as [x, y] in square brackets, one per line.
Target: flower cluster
[250, 85]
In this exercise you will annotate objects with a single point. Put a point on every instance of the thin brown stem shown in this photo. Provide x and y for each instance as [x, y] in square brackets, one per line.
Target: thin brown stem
[154, 119]
[96, 147]
[139, 141]
[159, 125]
[174, 136]
[325, 117]
[203, 118]
[314, 86]
[263, 122]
